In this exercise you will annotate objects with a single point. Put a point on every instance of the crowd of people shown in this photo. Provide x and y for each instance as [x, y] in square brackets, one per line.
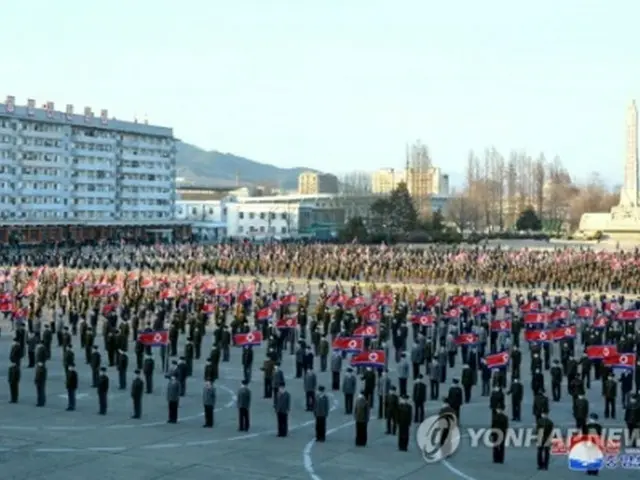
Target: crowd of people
[391, 301]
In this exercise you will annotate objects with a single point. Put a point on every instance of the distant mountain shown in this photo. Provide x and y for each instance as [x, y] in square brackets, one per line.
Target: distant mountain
[212, 168]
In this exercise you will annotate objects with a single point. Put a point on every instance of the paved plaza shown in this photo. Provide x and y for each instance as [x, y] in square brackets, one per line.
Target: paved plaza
[50, 443]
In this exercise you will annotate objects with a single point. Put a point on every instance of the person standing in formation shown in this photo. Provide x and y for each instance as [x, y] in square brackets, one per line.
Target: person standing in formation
[209, 403]
[137, 390]
[282, 408]
[244, 405]
[321, 412]
[173, 398]
[361, 417]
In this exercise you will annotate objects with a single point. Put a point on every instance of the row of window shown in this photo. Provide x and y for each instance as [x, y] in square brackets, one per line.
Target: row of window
[253, 229]
[93, 147]
[262, 215]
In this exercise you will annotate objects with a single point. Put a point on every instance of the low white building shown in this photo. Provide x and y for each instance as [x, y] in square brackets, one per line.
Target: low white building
[208, 218]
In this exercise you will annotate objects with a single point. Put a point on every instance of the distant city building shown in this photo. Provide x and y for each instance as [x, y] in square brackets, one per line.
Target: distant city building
[384, 181]
[68, 176]
[313, 183]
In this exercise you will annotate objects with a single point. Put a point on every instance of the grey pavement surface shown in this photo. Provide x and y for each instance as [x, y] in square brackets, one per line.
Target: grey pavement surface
[50, 443]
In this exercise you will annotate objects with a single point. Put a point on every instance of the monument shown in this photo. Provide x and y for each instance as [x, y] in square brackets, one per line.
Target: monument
[624, 219]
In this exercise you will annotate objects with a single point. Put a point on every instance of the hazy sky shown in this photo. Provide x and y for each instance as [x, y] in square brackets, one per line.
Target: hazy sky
[341, 85]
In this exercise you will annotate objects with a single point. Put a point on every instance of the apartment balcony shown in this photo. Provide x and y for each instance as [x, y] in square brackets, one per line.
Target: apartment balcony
[42, 149]
[43, 192]
[8, 190]
[8, 131]
[94, 166]
[41, 177]
[143, 144]
[51, 207]
[92, 194]
[129, 182]
[82, 180]
[144, 170]
[84, 152]
[157, 159]
[95, 140]
[43, 164]
[94, 208]
[6, 146]
[45, 135]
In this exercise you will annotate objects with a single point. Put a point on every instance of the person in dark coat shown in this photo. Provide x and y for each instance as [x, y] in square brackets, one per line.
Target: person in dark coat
[72, 387]
[593, 428]
[173, 398]
[544, 428]
[41, 384]
[419, 398]
[282, 408]
[103, 391]
[349, 384]
[137, 390]
[455, 398]
[361, 417]
[499, 426]
[244, 405]
[321, 412]
[209, 403]
[13, 377]
[404, 423]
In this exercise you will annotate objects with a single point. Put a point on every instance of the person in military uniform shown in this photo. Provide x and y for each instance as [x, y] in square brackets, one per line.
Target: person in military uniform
[556, 381]
[137, 390]
[321, 412]
[41, 384]
[593, 428]
[632, 419]
[173, 398]
[103, 391]
[310, 386]
[455, 398]
[392, 402]
[403, 373]
[419, 398]
[499, 426]
[282, 408]
[544, 429]
[13, 377]
[96, 361]
[361, 417]
[244, 406]
[581, 412]
[517, 394]
[209, 403]
[268, 371]
[148, 367]
[71, 383]
[349, 384]
[336, 367]
[404, 423]
[610, 394]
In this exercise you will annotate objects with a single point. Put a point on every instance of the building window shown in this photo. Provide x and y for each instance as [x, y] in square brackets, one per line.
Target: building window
[283, 216]
[261, 229]
[252, 216]
[211, 211]
[261, 215]
[283, 229]
[241, 215]
[272, 216]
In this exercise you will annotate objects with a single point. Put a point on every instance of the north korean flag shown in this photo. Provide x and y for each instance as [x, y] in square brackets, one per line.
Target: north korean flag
[432, 302]
[452, 313]
[289, 300]
[355, 302]
[497, 360]
[503, 302]
[611, 307]
[370, 314]
[365, 331]
[6, 306]
[467, 339]
[501, 325]
[374, 358]
[246, 339]
[470, 302]
[541, 336]
[423, 320]
[290, 321]
[536, 318]
[564, 333]
[481, 310]
[245, 296]
[457, 301]
[264, 314]
[629, 315]
[154, 338]
[560, 314]
[21, 313]
[530, 306]
[600, 322]
[348, 344]
[109, 308]
[596, 352]
[625, 361]
[585, 312]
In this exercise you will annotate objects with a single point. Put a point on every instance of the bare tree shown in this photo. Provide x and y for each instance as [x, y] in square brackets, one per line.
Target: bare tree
[458, 211]
[512, 189]
[539, 183]
[355, 183]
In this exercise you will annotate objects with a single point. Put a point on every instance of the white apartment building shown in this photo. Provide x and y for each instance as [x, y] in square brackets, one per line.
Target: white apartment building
[208, 218]
[59, 166]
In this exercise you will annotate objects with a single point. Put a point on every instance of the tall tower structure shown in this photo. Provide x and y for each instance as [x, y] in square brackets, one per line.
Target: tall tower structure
[629, 191]
[419, 174]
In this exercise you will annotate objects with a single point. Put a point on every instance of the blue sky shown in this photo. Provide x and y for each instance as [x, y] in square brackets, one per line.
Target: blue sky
[342, 85]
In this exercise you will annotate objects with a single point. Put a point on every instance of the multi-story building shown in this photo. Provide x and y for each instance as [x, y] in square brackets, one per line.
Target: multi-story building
[384, 181]
[67, 176]
[313, 183]
[208, 218]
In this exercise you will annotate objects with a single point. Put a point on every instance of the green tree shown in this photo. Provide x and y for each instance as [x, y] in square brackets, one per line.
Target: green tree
[405, 215]
[437, 221]
[354, 229]
[528, 220]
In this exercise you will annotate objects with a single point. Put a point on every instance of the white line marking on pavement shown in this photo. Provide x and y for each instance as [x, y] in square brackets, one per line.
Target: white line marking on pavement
[307, 459]
[456, 472]
[78, 428]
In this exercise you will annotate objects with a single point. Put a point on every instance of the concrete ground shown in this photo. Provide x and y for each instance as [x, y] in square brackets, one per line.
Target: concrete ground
[52, 444]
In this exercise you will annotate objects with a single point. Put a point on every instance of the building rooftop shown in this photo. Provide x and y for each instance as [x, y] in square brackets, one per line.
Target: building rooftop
[99, 121]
